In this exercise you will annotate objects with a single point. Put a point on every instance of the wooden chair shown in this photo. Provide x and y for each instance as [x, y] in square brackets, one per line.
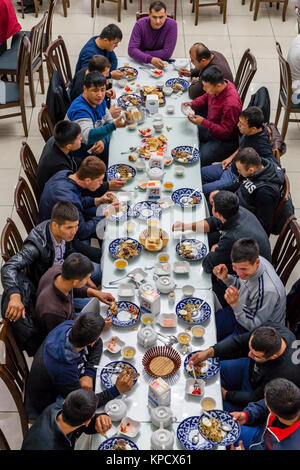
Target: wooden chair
[245, 73]
[286, 252]
[220, 3]
[65, 3]
[29, 165]
[13, 370]
[15, 90]
[46, 125]
[139, 15]
[26, 205]
[285, 94]
[57, 58]
[11, 240]
[36, 7]
[118, 2]
[258, 2]
[3, 442]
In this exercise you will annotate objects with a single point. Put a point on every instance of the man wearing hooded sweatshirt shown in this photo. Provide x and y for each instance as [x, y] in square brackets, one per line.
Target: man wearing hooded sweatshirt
[260, 185]
[66, 361]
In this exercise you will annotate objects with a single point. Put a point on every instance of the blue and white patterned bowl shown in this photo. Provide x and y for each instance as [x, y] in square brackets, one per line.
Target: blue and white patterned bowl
[187, 429]
[180, 81]
[114, 246]
[188, 149]
[126, 67]
[120, 216]
[113, 171]
[230, 436]
[110, 443]
[185, 192]
[213, 366]
[201, 249]
[205, 310]
[145, 209]
[124, 104]
[109, 378]
[123, 305]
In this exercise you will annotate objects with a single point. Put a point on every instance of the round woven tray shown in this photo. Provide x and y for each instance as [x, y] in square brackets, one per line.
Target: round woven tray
[161, 361]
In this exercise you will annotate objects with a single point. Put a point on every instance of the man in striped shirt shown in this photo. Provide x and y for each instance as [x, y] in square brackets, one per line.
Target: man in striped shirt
[255, 296]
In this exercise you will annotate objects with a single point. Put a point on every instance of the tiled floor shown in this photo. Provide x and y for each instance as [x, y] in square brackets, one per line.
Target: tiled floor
[231, 39]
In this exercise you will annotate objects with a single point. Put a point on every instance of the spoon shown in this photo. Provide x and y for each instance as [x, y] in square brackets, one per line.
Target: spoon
[186, 199]
[115, 370]
[132, 149]
[195, 438]
[224, 426]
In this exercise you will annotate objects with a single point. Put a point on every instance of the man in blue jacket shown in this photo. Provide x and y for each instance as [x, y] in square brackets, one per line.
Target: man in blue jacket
[272, 423]
[66, 361]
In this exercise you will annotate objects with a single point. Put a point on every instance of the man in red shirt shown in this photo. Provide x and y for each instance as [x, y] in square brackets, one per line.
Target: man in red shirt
[9, 24]
[218, 133]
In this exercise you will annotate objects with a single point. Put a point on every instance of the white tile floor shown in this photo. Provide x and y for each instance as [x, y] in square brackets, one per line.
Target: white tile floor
[231, 39]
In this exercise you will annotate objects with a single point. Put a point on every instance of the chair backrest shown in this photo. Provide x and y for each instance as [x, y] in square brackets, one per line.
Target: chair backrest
[245, 72]
[23, 57]
[297, 11]
[48, 32]
[284, 196]
[57, 58]
[46, 125]
[29, 165]
[285, 87]
[11, 240]
[139, 15]
[13, 370]
[26, 205]
[3, 442]
[36, 41]
[286, 252]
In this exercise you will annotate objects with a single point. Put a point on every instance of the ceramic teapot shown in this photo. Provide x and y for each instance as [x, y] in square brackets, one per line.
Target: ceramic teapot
[164, 284]
[155, 173]
[161, 414]
[116, 409]
[147, 336]
[162, 439]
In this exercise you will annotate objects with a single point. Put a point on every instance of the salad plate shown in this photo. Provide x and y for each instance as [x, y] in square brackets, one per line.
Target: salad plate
[187, 430]
[185, 154]
[123, 313]
[222, 416]
[120, 170]
[124, 248]
[191, 249]
[145, 210]
[182, 198]
[118, 443]
[175, 82]
[193, 310]
[108, 377]
[209, 369]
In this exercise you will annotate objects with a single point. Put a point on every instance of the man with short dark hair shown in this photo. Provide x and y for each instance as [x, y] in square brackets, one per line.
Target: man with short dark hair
[260, 186]
[153, 38]
[254, 134]
[202, 58]
[218, 133]
[57, 288]
[62, 423]
[249, 361]
[66, 361]
[279, 412]
[104, 44]
[255, 296]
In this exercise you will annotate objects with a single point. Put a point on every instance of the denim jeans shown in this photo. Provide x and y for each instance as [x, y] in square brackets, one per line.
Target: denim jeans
[235, 377]
[214, 177]
[248, 435]
[79, 303]
[227, 325]
[213, 149]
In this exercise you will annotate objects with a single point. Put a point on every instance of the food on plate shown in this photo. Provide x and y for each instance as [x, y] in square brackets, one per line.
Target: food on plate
[145, 132]
[113, 309]
[144, 152]
[200, 370]
[143, 185]
[128, 369]
[132, 158]
[113, 344]
[186, 312]
[121, 444]
[128, 89]
[192, 201]
[177, 87]
[154, 143]
[188, 250]
[163, 259]
[157, 72]
[110, 197]
[168, 185]
[154, 238]
[198, 331]
[180, 156]
[151, 90]
[211, 429]
[129, 73]
[130, 99]
[127, 249]
[168, 322]
[133, 114]
[125, 171]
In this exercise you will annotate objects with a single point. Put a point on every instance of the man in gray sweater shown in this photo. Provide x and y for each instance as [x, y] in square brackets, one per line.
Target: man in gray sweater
[255, 296]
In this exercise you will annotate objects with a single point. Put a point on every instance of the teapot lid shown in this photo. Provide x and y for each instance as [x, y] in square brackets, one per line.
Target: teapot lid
[161, 412]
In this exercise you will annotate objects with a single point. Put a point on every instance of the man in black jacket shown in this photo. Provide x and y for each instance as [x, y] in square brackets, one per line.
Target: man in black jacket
[260, 185]
[249, 361]
[66, 361]
[62, 423]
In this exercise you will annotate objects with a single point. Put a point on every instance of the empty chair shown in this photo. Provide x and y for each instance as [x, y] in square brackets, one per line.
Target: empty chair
[26, 205]
[286, 252]
[36, 7]
[220, 3]
[46, 125]
[57, 58]
[15, 90]
[118, 2]
[258, 2]
[245, 73]
[13, 370]
[11, 240]
[29, 165]
[285, 94]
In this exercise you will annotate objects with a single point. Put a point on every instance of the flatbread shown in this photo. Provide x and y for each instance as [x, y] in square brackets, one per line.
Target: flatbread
[161, 366]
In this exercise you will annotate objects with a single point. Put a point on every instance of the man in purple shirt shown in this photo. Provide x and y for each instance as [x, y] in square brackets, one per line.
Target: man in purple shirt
[153, 38]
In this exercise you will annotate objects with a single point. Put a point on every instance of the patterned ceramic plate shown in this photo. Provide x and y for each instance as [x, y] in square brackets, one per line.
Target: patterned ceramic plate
[108, 378]
[130, 73]
[144, 210]
[187, 429]
[229, 436]
[114, 172]
[114, 246]
[180, 81]
[129, 99]
[180, 193]
[110, 443]
[127, 314]
[198, 248]
[201, 315]
[121, 215]
[212, 367]
[194, 154]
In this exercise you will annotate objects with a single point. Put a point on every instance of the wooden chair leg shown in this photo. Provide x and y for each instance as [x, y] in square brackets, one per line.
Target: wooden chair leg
[98, 3]
[243, 2]
[141, 6]
[119, 11]
[285, 5]
[196, 2]
[36, 7]
[92, 8]
[64, 2]
[224, 10]
[41, 75]
[24, 120]
[193, 6]
[31, 88]
[257, 2]
[175, 9]
[285, 123]
[277, 6]
[125, 4]
[22, 8]
[251, 5]
[68, 3]
[278, 112]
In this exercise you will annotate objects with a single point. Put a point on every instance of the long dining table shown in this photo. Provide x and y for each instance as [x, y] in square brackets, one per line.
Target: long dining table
[180, 132]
